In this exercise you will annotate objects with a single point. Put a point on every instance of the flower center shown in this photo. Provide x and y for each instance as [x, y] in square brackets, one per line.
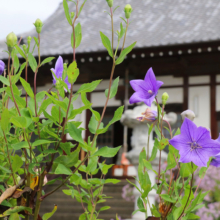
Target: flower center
[150, 91]
[194, 145]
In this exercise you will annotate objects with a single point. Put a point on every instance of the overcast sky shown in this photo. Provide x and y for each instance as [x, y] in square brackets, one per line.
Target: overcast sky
[19, 15]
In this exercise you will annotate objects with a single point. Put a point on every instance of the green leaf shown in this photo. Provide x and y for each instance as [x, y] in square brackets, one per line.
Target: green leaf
[27, 87]
[5, 119]
[124, 53]
[167, 198]
[78, 35]
[107, 151]
[57, 102]
[5, 169]
[78, 111]
[192, 216]
[61, 169]
[88, 87]
[93, 123]
[185, 169]
[107, 44]
[15, 209]
[40, 142]
[16, 64]
[4, 80]
[19, 145]
[81, 7]
[14, 216]
[72, 72]
[66, 10]
[47, 60]
[19, 121]
[50, 214]
[114, 181]
[140, 203]
[114, 89]
[154, 151]
[171, 163]
[17, 163]
[17, 76]
[32, 62]
[20, 51]
[75, 133]
[104, 208]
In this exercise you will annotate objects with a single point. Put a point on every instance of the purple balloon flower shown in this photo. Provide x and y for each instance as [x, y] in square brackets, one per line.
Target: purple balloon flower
[58, 71]
[2, 67]
[145, 90]
[195, 144]
[216, 160]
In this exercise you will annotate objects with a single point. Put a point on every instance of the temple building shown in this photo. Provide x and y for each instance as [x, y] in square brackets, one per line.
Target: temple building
[180, 40]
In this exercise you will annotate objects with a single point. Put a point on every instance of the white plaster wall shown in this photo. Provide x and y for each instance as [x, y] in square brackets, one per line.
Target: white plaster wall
[202, 94]
[199, 79]
[170, 80]
[175, 95]
[218, 78]
[218, 98]
[98, 100]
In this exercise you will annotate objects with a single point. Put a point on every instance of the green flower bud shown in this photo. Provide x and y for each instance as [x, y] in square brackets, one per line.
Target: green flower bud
[72, 15]
[29, 39]
[128, 9]
[110, 3]
[11, 40]
[38, 24]
[24, 48]
[165, 97]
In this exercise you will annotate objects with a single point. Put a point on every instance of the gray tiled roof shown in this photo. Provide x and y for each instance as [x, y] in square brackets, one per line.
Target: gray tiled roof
[154, 23]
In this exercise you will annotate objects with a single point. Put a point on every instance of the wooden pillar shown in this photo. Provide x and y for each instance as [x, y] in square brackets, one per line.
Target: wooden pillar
[185, 92]
[213, 125]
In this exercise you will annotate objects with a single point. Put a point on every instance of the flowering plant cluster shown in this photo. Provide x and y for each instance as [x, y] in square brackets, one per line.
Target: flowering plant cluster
[26, 164]
[191, 152]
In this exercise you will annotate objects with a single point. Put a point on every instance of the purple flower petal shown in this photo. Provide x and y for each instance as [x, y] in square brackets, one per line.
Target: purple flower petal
[188, 128]
[2, 67]
[195, 144]
[136, 97]
[138, 85]
[67, 82]
[145, 90]
[59, 67]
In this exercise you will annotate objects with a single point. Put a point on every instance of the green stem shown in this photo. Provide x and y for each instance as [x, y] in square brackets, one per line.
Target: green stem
[9, 159]
[39, 200]
[124, 37]
[188, 197]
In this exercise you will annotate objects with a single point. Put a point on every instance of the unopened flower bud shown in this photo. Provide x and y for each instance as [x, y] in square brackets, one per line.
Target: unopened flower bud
[110, 3]
[188, 114]
[29, 39]
[2, 67]
[24, 48]
[11, 40]
[72, 15]
[38, 24]
[128, 9]
[165, 97]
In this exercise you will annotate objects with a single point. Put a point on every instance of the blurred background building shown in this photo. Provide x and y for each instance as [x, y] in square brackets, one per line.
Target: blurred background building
[179, 39]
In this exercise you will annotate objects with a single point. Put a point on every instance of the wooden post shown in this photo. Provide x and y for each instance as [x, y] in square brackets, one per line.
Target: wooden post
[213, 117]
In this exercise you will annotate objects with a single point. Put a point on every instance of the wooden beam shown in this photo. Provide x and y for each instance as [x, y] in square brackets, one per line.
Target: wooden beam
[213, 118]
